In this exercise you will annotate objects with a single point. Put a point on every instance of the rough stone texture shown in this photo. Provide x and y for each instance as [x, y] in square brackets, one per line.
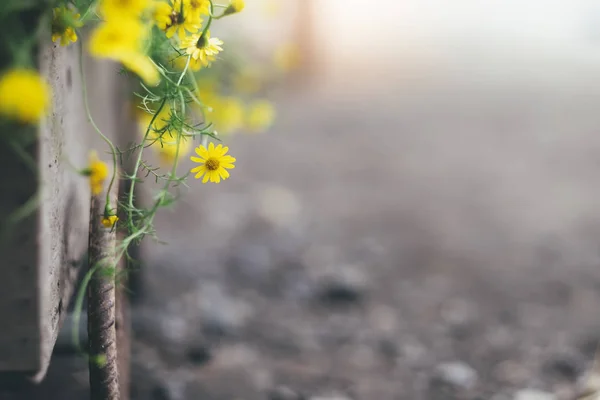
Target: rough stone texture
[43, 253]
[64, 206]
[18, 284]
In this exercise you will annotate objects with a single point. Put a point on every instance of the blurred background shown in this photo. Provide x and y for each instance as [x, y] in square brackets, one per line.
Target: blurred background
[421, 221]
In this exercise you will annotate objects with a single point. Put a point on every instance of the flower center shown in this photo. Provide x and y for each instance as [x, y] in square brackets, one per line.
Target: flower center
[176, 18]
[202, 42]
[212, 164]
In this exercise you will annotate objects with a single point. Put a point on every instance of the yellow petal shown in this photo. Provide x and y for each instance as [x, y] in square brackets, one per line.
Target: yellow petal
[202, 152]
[227, 159]
[142, 66]
[223, 173]
[223, 151]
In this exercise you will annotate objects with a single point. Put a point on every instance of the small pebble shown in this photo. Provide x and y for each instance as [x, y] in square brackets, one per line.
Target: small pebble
[533, 394]
[344, 284]
[563, 366]
[199, 354]
[457, 374]
[284, 393]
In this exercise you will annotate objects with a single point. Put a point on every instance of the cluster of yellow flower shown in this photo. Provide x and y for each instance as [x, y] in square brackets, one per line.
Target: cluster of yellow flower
[187, 24]
[131, 32]
[229, 114]
[123, 36]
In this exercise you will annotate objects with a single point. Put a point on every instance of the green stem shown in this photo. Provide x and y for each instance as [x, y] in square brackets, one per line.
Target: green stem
[78, 307]
[89, 11]
[138, 161]
[25, 157]
[93, 123]
[187, 64]
[210, 19]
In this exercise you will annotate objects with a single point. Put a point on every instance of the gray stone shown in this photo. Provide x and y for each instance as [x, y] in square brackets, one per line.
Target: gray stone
[168, 389]
[146, 382]
[199, 353]
[173, 327]
[331, 397]
[220, 314]
[413, 351]
[236, 356]
[343, 284]
[284, 393]
[166, 328]
[383, 319]
[457, 374]
[297, 286]
[176, 388]
[252, 261]
[563, 366]
[512, 372]
[533, 394]
[278, 205]
[458, 312]
[363, 357]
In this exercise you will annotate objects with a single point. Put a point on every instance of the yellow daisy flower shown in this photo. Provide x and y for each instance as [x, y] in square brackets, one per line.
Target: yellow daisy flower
[195, 65]
[142, 66]
[97, 171]
[227, 114]
[235, 6]
[196, 9]
[261, 114]
[24, 95]
[114, 39]
[172, 20]
[180, 62]
[214, 163]
[111, 9]
[64, 22]
[122, 40]
[202, 47]
[109, 221]
[162, 15]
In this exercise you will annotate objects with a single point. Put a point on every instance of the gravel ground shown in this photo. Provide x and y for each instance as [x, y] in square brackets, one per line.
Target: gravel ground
[432, 241]
[429, 241]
